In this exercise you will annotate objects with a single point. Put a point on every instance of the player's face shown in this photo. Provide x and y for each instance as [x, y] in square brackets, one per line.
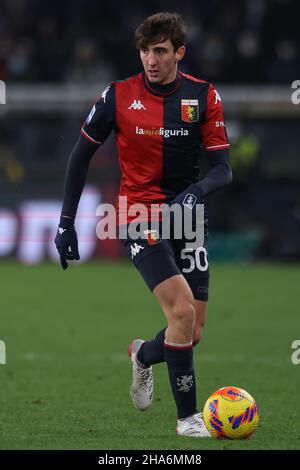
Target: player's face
[160, 61]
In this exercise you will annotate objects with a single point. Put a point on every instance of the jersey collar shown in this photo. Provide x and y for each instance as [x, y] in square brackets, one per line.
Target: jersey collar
[162, 90]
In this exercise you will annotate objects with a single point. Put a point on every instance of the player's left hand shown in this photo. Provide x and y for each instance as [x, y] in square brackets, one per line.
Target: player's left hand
[188, 200]
[191, 196]
[66, 242]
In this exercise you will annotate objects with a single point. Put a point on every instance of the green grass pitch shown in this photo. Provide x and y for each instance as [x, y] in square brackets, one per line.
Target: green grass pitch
[67, 378]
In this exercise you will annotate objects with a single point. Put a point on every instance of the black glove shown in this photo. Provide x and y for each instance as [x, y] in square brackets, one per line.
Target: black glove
[66, 241]
[189, 198]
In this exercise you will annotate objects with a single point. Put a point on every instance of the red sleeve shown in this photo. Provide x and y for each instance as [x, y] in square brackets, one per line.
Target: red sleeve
[213, 129]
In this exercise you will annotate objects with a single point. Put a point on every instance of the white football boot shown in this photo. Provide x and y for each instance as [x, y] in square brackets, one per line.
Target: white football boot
[141, 390]
[193, 426]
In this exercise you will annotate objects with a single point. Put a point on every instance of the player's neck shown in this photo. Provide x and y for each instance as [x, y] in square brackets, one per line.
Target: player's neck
[163, 88]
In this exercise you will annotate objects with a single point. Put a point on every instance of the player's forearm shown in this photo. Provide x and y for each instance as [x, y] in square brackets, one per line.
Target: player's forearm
[220, 174]
[76, 174]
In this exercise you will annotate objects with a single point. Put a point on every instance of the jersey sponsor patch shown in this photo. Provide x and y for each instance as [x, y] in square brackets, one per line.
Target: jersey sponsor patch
[190, 110]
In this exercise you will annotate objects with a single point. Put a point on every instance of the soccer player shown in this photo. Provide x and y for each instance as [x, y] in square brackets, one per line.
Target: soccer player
[162, 119]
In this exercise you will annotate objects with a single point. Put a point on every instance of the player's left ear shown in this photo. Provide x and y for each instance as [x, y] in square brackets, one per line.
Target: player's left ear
[179, 54]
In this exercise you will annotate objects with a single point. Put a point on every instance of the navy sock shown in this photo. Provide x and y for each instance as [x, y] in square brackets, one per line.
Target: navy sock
[182, 379]
[153, 351]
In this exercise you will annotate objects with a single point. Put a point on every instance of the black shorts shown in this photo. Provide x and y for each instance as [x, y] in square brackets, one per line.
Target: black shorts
[161, 259]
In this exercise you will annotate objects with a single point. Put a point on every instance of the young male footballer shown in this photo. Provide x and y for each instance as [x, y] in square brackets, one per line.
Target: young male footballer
[164, 122]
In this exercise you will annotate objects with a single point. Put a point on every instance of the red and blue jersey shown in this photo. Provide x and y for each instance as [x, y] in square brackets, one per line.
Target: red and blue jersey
[160, 132]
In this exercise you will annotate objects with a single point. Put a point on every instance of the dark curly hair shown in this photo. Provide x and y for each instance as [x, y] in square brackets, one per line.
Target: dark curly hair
[159, 28]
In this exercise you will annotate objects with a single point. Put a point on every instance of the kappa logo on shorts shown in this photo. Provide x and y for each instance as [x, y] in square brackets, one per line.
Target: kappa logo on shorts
[135, 249]
[189, 201]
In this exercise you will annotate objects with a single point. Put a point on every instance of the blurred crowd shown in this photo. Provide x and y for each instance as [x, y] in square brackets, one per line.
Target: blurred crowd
[232, 41]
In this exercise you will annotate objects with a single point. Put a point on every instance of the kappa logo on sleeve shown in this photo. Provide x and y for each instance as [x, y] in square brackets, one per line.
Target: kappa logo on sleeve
[104, 93]
[217, 97]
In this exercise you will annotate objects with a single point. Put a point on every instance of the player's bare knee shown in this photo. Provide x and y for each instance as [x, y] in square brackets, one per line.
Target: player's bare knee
[184, 314]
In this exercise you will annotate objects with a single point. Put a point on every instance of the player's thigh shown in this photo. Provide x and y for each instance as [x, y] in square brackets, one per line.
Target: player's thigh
[155, 262]
[194, 266]
[157, 265]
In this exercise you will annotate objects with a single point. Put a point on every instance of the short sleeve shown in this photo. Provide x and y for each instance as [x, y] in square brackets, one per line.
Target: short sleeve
[101, 119]
[213, 129]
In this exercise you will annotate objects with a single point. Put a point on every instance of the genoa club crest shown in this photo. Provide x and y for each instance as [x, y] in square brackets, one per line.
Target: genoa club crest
[190, 110]
[152, 236]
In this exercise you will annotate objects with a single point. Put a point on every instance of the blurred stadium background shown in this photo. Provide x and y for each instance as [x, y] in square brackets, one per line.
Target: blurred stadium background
[55, 59]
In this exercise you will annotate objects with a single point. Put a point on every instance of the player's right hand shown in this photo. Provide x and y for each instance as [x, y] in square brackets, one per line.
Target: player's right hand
[66, 243]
